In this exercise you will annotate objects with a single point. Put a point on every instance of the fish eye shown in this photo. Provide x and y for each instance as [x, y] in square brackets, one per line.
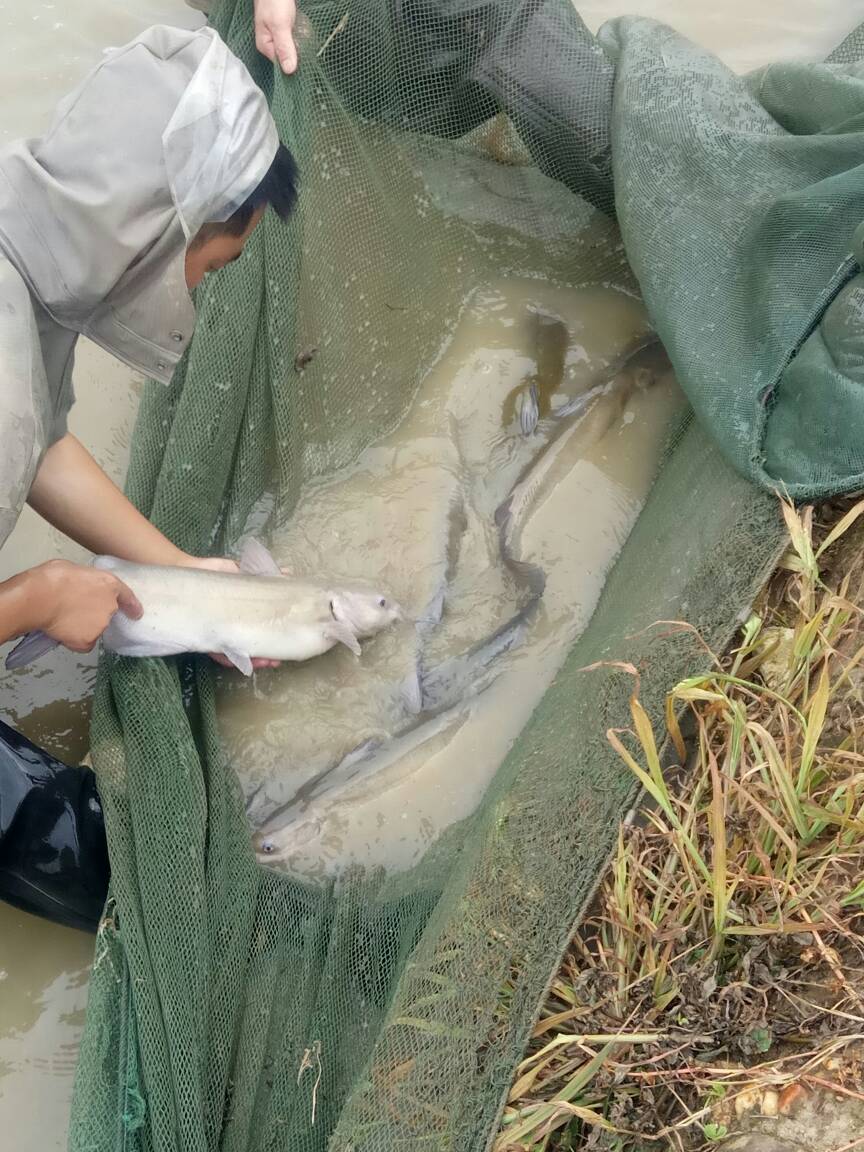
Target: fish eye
[382, 603]
[267, 846]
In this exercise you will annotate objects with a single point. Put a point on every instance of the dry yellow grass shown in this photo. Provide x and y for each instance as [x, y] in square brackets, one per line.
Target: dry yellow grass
[723, 954]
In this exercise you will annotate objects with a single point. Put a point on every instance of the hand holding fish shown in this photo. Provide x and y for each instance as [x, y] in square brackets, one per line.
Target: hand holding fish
[68, 603]
[255, 612]
[190, 604]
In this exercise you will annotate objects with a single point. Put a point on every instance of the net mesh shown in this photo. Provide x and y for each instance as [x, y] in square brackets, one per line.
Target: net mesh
[236, 1008]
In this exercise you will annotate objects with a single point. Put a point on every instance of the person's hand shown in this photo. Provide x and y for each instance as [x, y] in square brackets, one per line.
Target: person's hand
[274, 32]
[218, 564]
[74, 604]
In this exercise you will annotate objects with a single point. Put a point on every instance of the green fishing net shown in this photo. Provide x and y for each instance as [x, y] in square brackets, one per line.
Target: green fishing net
[442, 144]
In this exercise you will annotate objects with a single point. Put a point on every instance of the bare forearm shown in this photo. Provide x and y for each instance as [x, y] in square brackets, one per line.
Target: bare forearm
[73, 493]
[71, 603]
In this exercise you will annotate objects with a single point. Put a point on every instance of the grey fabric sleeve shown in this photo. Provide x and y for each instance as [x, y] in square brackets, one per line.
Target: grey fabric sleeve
[58, 357]
[25, 402]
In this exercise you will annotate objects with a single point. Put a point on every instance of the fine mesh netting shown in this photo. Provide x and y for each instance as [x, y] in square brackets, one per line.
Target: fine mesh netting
[441, 146]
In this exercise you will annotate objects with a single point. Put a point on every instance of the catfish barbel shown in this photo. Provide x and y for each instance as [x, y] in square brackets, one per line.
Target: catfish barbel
[256, 612]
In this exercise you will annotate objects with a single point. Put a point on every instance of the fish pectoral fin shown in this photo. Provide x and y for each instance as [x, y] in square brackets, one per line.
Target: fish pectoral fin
[255, 560]
[30, 648]
[341, 634]
[434, 612]
[412, 694]
[240, 660]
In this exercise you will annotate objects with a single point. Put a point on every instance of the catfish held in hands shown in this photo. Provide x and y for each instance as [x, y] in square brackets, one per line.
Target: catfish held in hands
[256, 612]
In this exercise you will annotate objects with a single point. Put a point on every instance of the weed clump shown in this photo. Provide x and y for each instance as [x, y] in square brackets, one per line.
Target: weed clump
[721, 965]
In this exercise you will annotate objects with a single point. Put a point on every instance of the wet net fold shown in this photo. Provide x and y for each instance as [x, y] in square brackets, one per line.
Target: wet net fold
[441, 145]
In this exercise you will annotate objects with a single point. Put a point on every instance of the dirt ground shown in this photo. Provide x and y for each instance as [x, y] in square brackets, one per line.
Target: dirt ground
[822, 1123]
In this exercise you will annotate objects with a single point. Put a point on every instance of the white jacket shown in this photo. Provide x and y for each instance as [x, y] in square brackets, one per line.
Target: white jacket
[164, 135]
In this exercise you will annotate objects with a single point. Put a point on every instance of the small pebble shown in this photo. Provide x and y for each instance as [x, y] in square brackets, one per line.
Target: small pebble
[770, 1103]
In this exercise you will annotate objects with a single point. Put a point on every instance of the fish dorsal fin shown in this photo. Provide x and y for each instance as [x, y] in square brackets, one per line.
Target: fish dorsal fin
[240, 660]
[340, 633]
[255, 560]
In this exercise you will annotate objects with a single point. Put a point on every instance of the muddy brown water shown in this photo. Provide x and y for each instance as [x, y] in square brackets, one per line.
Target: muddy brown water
[420, 511]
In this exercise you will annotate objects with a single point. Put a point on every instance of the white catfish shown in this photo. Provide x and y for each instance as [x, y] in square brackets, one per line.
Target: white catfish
[256, 612]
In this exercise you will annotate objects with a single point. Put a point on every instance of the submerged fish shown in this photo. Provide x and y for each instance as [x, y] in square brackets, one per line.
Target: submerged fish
[596, 409]
[299, 721]
[257, 612]
[576, 424]
[469, 673]
[551, 339]
[367, 773]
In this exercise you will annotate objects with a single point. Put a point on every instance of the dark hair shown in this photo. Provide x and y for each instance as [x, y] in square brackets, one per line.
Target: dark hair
[278, 189]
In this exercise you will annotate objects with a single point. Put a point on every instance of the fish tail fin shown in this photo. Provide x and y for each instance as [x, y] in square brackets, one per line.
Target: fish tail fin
[30, 648]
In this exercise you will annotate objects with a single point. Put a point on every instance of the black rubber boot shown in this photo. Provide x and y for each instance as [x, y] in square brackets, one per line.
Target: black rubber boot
[53, 854]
